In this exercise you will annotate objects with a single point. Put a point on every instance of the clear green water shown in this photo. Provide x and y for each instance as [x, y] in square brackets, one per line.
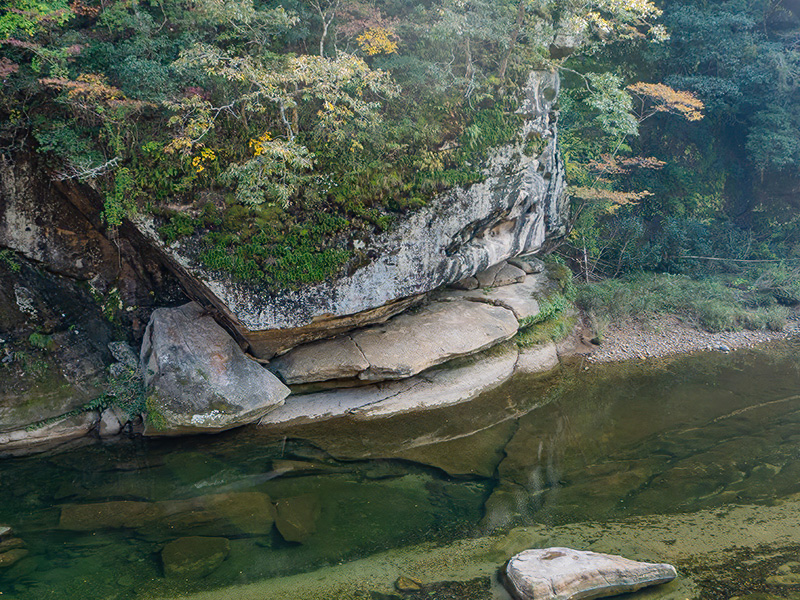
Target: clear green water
[584, 445]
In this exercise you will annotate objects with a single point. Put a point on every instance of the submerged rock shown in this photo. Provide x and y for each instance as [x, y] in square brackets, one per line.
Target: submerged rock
[108, 515]
[194, 557]
[12, 556]
[567, 574]
[296, 517]
[198, 379]
[403, 346]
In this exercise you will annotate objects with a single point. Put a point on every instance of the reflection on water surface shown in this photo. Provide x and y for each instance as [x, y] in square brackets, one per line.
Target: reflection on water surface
[594, 445]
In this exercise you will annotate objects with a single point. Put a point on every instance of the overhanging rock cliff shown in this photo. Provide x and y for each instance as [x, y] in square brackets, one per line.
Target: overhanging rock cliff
[455, 236]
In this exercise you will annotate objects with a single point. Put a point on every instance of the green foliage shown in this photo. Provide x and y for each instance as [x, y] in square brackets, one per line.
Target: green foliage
[555, 321]
[119, 202]
[125, 389]
[154, 418]
[8, 259]
[41, 341]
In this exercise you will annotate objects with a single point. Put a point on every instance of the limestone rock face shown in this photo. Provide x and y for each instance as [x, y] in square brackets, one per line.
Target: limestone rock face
[456, 235]
[401, 347]
[567, 574]
[194, 557]
[198, 379]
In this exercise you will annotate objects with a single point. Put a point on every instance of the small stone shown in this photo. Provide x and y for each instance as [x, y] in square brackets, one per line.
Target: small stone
[486, 278]
[194, 557]
[509, 274]
[123, 353]
[529, 264]
[405, 583]
[5, 531]
[564, 573]
[109, 424]
[468, 283]
[9, 558]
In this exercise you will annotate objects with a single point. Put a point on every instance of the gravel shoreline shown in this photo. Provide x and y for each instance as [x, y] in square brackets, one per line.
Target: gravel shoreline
[668, 335]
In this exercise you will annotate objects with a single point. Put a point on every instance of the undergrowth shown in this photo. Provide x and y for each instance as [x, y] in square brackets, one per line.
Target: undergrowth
[717, 303]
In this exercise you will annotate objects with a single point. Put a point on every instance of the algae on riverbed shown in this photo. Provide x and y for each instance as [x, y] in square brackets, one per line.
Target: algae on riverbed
[652, 460]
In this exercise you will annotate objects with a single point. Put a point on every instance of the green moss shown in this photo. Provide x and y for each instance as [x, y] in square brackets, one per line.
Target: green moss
[41, 341]
[154, 418]
[8, 259]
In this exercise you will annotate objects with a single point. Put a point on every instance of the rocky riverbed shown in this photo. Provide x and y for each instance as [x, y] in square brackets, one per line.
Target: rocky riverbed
[668, 335]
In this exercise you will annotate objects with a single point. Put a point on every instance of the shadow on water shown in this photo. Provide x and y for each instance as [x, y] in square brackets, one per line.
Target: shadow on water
[583, 445]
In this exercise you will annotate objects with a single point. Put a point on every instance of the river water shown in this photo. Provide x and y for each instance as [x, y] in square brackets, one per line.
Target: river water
[693, 459]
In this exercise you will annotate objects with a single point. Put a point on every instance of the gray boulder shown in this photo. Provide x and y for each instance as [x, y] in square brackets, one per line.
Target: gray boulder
[567, 574]
[198, 379]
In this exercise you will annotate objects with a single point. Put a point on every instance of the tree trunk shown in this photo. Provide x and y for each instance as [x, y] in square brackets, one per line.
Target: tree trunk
[513, 41]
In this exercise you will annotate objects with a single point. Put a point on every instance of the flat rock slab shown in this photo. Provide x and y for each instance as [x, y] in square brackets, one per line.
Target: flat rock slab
[538, 359]
[320, 361]
[198, 379]
[403, 346]
[567, 574]
[38, 439]
[439, 387]
[520, 298]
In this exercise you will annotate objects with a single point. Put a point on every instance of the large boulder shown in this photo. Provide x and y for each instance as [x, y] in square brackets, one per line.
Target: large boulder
[198, 379]
[403, 346]
[567, 574]
[457, 234]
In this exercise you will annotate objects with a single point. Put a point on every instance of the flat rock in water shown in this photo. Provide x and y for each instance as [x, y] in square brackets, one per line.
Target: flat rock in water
[194, 557]
[296, 517]
[25, 441]
[438, 387]
[567, 574]
[9, 558]
[116, 514]
[537, 359]
[198, 379]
